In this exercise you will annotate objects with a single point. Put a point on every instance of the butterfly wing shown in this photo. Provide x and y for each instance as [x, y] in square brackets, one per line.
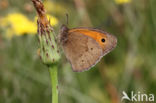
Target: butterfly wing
[82, 51]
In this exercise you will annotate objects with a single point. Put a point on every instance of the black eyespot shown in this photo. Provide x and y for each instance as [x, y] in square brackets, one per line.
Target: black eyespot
[103, 40]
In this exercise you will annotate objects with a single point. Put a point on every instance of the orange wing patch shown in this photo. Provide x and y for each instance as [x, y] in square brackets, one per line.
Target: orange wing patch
[91, 33]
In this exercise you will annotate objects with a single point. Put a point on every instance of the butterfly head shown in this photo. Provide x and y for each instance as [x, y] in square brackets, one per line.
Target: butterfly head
[63, 35]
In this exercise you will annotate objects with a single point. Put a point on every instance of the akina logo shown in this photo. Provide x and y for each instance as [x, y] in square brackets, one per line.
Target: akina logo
[140, 97]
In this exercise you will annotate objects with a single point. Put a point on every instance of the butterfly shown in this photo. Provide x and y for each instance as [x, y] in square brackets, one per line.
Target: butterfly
[84, 47]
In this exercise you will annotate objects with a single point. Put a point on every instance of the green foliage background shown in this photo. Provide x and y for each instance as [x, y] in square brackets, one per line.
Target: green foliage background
[129, 67]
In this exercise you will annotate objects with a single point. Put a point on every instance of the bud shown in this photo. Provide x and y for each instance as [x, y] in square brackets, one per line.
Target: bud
[49, 52]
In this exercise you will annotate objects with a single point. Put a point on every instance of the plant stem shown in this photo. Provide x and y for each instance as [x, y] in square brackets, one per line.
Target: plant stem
[54, 83]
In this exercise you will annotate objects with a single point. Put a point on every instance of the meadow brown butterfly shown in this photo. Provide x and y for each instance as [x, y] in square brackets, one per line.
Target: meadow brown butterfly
[84, 47]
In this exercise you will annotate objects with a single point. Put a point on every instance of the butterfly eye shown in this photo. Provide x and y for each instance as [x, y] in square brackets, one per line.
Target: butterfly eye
[103, 40]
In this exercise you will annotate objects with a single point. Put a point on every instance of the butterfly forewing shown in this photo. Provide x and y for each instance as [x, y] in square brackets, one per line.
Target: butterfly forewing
[82, 51]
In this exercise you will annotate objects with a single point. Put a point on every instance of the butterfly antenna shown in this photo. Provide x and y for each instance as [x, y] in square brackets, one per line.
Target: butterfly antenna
[67, 18]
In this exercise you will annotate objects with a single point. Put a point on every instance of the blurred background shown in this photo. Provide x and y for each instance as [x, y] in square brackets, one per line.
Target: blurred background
[131, 66]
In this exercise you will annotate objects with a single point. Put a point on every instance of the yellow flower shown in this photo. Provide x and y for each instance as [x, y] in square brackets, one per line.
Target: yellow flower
[122, 1]
[18, 24]
[53, 20]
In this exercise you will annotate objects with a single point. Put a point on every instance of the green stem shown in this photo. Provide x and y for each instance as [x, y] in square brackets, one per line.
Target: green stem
[54, 83]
